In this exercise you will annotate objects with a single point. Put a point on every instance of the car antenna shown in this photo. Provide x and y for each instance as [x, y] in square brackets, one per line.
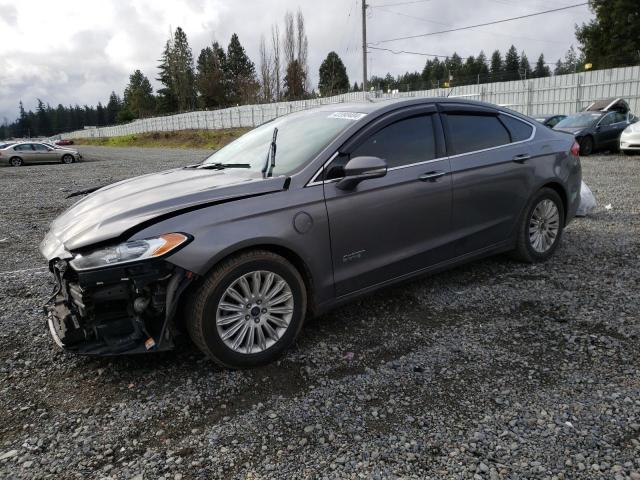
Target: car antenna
[270, 162]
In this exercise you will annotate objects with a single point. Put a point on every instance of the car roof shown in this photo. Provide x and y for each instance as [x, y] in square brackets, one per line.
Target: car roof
[380, 106]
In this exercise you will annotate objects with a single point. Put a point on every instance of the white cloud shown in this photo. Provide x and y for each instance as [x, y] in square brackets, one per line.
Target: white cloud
[78, 51]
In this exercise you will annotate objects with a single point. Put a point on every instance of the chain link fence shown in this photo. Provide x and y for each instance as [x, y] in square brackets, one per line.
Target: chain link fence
[558, 94]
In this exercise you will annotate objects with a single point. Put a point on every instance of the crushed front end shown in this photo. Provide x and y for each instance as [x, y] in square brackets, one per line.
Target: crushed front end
[115, 310]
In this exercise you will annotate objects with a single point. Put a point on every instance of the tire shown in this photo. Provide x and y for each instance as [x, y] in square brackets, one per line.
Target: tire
[586, 146]
[68, 159]
[204, 313]
[16, 162]
[526, 248]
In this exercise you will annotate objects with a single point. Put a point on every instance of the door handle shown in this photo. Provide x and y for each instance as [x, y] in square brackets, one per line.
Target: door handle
[521, 158]
[431, 176]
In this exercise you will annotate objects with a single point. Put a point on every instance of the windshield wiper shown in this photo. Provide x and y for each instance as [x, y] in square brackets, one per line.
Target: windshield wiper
[270, 161]
[219, 166]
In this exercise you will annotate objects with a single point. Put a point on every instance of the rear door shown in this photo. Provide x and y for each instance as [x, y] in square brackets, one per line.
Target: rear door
[491, 169]
[391, 226]
[26, 152]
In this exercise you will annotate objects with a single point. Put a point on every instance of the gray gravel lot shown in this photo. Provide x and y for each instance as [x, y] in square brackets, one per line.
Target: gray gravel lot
[493, 370]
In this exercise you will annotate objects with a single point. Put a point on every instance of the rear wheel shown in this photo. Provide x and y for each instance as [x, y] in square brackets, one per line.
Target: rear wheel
[248, 310]
[586, 146]
[16, 162]
[67, 159]
[540, 228]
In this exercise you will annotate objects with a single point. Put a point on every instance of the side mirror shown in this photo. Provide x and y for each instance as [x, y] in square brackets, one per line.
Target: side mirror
[361, 168]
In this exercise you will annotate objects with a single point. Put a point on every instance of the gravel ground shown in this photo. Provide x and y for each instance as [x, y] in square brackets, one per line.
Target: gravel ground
[493, 370]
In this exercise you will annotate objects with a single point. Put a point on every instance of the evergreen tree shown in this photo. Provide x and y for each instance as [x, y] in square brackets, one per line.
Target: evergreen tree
[541, 69]
[43, 125]
[333, 76]
[482, 69]
[497, 66]
[166, 100]
[294, 82]
[182, 70]
[356, 87]
[210, 77]
[241, 74]
[611, 39]
[101, 115]
[138, 96]
[511, 64]
[525, 67]
[113, 108]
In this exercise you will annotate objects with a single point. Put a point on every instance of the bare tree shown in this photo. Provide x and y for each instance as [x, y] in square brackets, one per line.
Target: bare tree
[289, 40]
[275, 45]
[266, 72]
[302, 46]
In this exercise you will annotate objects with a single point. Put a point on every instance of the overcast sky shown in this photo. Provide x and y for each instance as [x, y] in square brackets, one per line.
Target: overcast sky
[78, 51]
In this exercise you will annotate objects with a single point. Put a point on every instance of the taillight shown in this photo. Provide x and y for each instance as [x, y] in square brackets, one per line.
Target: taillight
[575, 149]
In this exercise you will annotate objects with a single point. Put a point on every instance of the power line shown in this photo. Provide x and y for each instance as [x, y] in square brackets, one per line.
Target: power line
[400, 3]
[482, 24]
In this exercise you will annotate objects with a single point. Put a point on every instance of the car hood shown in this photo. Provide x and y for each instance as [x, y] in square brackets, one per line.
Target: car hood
[113, 210]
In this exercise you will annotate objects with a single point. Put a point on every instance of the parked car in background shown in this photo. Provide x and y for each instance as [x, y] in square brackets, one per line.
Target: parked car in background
[598, 127]
[630, 139]
[36, 152]
[299, 215]
[549, 120]
[64, 141]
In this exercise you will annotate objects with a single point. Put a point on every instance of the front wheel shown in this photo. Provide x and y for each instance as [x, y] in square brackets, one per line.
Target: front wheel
[540, 228]
[67, 159]
[248, 310]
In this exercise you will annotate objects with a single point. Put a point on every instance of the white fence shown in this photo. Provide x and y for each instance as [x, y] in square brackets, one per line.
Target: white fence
[558, 94]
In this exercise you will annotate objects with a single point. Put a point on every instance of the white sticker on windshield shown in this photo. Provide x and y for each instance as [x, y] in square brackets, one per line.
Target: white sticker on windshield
[348, 115]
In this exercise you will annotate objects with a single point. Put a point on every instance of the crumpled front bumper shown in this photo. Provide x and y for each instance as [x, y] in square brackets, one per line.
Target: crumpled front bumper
[115, 310]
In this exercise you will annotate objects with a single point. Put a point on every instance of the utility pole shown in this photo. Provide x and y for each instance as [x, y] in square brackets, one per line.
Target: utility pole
[364, 46]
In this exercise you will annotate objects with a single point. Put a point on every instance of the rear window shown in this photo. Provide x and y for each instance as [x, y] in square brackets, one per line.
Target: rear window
[518, 130]
[470, 133]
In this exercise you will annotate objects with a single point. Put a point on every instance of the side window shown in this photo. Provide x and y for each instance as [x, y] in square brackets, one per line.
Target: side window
[24, 147]
[404, 142]
[607, 119]
[619, 117]
[40, 148]
[470, 133]
[518, 130]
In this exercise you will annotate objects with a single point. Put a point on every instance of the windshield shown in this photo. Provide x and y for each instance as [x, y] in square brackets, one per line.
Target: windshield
[579, 120]
[301, 136]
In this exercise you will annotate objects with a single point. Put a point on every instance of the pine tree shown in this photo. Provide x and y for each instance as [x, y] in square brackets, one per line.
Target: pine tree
[497, 66]
[333, 76]
[183, 74]
[541, 70]
[113, 108]
[294, 82]
[240, 73]
[525, 67]
[138, 96]
[166, 100]
[210, 77]
[512, 64]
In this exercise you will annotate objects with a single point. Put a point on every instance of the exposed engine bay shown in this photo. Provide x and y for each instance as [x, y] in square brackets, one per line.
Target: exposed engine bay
[115, 310]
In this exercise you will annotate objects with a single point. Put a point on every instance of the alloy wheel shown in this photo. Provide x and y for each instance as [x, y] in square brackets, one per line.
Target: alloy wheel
[254, 312]
[544, 226]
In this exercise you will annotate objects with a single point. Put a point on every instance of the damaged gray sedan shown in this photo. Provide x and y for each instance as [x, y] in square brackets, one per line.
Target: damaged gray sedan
[299, 215]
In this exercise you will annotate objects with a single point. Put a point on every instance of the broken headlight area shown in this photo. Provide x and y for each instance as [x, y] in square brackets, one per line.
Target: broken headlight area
[115, 310]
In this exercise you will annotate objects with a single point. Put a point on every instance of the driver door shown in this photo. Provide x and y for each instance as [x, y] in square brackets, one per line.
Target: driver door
[388, 227]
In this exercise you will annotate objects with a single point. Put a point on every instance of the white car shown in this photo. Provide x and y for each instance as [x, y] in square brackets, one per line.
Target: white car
[630, 138]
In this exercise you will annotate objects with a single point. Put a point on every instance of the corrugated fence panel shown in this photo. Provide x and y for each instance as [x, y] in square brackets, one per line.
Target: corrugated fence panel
[558, 94]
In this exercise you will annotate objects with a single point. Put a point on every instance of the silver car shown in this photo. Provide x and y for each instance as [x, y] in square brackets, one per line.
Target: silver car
[37, 152]
[299, 215]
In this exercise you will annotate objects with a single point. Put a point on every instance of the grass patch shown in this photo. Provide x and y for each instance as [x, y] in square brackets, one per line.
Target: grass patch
[206, 139]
